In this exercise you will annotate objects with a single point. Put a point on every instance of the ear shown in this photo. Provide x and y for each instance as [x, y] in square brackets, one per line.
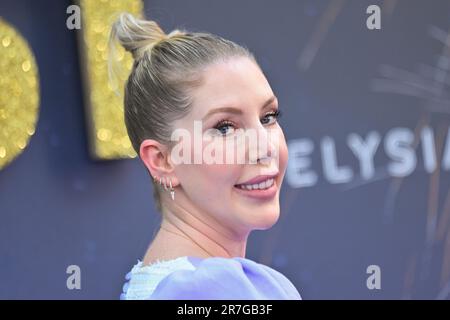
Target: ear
[156, 158]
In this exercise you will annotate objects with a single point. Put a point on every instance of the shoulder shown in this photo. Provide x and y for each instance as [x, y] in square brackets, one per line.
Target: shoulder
[226, 278]
[142, 280]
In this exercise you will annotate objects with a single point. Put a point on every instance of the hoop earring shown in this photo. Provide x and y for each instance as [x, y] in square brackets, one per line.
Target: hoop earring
[170, 188]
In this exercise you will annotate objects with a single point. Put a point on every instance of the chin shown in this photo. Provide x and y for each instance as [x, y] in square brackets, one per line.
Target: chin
[265, 219]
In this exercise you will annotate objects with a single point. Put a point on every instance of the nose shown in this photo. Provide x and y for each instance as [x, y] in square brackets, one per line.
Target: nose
[266, 146]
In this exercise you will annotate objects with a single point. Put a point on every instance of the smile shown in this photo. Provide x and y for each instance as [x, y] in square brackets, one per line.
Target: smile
[264, 190]
[260, 186]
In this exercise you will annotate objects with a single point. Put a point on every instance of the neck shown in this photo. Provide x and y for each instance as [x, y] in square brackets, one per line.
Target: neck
[186, 233]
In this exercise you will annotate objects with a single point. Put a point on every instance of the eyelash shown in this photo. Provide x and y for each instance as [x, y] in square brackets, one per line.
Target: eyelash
[225, 123]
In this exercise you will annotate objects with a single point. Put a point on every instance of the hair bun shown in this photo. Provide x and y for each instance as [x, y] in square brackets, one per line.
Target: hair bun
[176, 33]
[136, 35]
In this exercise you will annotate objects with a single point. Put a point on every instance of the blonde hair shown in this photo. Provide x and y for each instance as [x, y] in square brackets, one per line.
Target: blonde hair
[166, 68]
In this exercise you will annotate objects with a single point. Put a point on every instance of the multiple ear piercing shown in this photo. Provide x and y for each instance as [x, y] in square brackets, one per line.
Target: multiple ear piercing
[170, 188]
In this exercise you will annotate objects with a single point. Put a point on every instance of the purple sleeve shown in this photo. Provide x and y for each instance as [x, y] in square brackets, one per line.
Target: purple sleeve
[221, 278]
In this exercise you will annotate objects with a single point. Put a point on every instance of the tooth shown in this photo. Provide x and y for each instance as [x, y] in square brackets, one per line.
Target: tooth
[262, 185]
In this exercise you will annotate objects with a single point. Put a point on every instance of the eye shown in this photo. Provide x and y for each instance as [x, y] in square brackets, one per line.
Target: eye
[224, 127]
[271, 117]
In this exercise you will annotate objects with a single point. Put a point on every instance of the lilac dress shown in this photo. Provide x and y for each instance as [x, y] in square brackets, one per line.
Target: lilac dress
[215, 278]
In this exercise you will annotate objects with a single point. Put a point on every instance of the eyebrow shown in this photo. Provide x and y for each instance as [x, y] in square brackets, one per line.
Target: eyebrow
[236, 110]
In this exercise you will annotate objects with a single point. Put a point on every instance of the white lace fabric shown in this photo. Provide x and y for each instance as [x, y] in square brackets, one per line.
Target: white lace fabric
[143, 280]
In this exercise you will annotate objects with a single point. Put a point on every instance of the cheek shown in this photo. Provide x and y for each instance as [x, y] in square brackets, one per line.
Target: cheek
[208, 183]
[209, 187]
[282, 151]
[221, 175]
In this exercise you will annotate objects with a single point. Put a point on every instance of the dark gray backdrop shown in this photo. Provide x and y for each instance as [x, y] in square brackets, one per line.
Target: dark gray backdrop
[58, 207]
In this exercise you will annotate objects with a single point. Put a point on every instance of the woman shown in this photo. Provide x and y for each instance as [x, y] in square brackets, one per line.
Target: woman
[211, 92]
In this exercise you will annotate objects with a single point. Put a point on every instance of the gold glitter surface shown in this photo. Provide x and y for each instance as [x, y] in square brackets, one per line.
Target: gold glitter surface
[19, 94]
[108, 137]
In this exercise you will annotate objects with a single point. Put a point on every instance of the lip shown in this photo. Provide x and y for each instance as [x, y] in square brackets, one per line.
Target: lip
[265, 194]
[260, 178]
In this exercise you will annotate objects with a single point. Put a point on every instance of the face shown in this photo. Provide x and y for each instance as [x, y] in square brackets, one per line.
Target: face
[234, 101]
